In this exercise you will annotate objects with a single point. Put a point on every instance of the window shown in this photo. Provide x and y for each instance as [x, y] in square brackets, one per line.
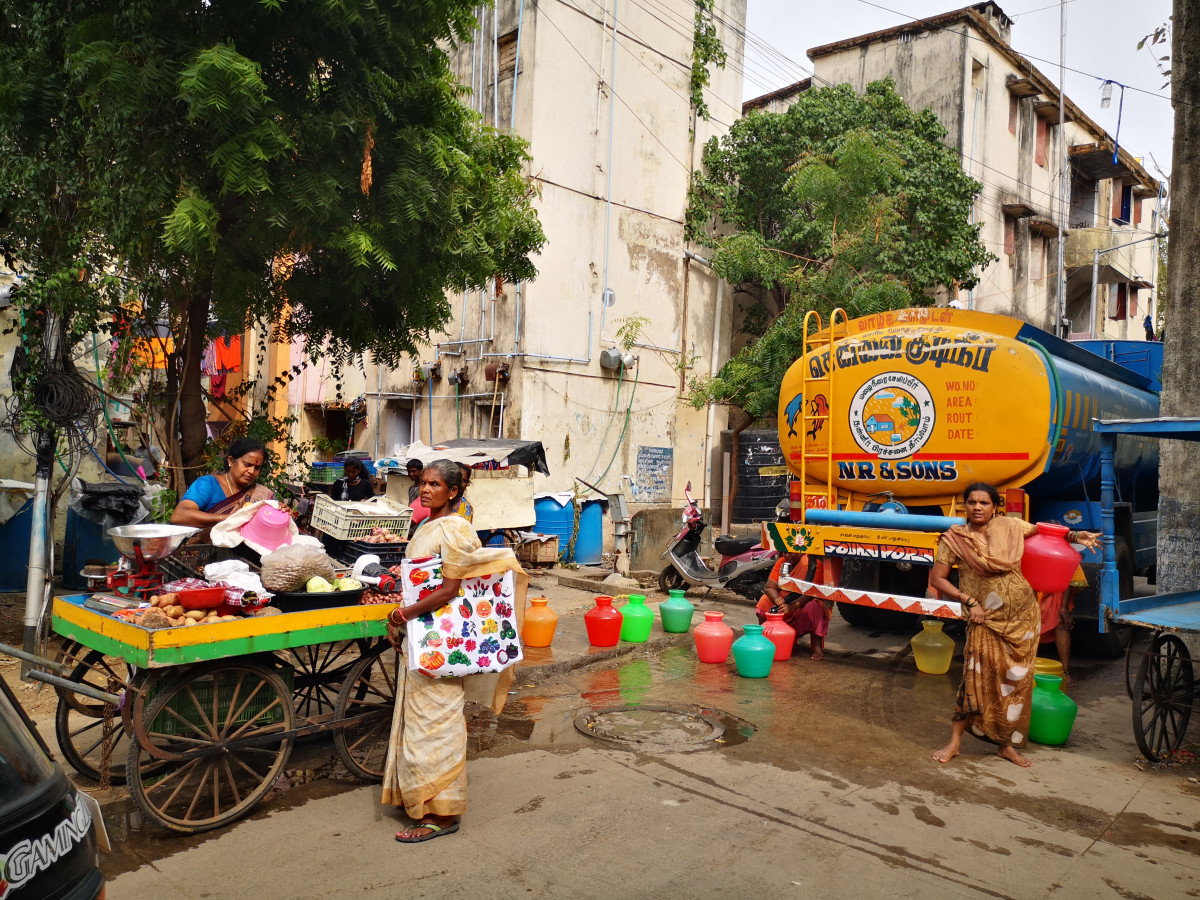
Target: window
[1014, 106]
[1116, 301]
[1137, 211]
[1041, 142]
[1010, 235]
[1133, 294]
[1037, 257]
[1122, 202]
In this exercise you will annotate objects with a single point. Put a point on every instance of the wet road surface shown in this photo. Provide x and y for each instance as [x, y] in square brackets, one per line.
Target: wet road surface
[819, 783]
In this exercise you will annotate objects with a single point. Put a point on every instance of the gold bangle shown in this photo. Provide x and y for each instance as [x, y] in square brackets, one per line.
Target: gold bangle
[398, 609]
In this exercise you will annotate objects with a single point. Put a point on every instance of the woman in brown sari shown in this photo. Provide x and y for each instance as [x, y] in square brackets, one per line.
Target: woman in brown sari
[213, 498]
[1003, 623]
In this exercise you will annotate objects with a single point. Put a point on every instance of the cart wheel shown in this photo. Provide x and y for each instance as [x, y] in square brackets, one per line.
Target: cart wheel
[669, 580]
[71, 654]
[81, 725]
[369, 695]
[1163, 696]
[226, 719]
[321, 670]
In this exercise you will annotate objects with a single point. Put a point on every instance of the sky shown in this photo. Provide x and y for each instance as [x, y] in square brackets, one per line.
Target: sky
[1102, 38]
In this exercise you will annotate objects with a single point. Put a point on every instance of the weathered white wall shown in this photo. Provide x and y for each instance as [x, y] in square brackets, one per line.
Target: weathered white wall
[563, 109]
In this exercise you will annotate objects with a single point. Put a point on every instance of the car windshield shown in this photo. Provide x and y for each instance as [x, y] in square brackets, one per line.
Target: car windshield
[23, 764]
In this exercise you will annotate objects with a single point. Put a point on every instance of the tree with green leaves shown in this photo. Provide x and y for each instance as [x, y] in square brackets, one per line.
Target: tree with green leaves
[305, 165]
[843, 201]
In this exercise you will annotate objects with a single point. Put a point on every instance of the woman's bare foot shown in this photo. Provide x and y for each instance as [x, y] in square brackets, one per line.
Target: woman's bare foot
[1068, 679]
[1011, 754]
[817, 648]
[426, 828]
[947, 753]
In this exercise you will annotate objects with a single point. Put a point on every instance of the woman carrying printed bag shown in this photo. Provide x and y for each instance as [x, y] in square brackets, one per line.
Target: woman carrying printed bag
[425, 770]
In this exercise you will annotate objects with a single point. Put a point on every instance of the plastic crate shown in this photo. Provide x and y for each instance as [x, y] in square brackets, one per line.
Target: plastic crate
[539, 553]
[182, 706]
[336, 519]
[389, 554]
[326, 472]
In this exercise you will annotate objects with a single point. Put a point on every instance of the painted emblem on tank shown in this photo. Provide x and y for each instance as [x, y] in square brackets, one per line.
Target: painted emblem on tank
[892, 415]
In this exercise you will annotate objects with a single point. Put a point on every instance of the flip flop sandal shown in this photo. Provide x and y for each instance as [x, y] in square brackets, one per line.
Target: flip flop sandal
[435, 831]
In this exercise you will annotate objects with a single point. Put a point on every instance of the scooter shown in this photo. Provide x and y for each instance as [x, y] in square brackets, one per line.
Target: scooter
[745, 563]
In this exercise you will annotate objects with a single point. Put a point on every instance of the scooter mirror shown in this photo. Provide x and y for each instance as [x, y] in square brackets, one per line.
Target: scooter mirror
[687, 492]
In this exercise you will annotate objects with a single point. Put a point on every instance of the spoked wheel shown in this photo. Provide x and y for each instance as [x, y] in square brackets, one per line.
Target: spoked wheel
[368, 697]
[208, 745]
[84, 725]
[1163, 695]
[320, 672]
[669, 579]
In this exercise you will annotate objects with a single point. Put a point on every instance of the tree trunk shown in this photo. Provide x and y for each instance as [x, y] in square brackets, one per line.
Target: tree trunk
[193, 414]
[733, 469]
[1179, 508]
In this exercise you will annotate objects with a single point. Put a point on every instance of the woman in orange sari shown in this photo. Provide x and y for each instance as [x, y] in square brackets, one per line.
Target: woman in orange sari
[1003, 623]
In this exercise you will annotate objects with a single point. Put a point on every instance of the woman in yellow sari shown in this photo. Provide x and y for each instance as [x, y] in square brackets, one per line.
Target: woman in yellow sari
[1003, 623]
[425, 770]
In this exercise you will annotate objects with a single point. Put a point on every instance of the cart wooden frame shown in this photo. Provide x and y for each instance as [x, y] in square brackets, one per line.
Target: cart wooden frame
[209, 714]
[1163, 683]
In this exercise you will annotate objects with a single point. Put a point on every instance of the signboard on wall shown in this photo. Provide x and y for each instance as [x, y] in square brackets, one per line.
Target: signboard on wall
[652, 481]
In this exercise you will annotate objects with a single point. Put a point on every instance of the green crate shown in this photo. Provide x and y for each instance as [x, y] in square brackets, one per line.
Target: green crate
[326, 473]
[183, 705]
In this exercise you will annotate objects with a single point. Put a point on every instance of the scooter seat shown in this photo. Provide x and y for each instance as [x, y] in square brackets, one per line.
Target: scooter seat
[728, 545]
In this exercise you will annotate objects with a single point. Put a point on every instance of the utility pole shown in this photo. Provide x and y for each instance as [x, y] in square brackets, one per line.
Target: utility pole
[1064, 181]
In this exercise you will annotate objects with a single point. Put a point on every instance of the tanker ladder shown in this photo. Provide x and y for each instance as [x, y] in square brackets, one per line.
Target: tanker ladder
[816, 417]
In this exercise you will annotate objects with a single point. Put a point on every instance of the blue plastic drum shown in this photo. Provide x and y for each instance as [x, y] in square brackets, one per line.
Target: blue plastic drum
[555, 518]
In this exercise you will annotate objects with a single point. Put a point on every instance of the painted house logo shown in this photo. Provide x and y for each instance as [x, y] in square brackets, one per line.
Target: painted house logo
[892, 415]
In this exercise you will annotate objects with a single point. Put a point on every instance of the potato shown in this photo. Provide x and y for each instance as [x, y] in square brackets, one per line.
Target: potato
[228, 618]
[176, 611]
[176, 620]
[194, 614]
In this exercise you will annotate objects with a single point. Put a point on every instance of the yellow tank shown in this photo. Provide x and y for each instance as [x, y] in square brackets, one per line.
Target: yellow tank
[921, 403]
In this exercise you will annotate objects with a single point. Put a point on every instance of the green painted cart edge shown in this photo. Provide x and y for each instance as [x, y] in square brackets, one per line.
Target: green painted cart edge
[191, 653]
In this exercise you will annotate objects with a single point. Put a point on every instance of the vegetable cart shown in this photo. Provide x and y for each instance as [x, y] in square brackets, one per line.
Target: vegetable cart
[205, 716]
[1163, 689]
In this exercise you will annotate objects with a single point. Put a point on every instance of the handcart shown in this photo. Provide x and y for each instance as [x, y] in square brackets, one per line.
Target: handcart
[202, 719]
[1163, 689]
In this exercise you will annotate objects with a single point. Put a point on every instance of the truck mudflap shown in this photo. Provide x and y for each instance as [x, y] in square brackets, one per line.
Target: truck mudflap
[922, 606]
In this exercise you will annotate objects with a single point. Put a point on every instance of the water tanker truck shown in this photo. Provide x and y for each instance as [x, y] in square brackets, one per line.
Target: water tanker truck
[886, 419]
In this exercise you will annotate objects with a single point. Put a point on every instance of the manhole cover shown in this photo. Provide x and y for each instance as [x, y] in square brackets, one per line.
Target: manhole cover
[661, 728]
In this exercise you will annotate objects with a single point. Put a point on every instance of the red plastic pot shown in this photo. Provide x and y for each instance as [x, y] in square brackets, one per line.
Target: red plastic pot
[1049, 561]
[603, 623]
[781, 634]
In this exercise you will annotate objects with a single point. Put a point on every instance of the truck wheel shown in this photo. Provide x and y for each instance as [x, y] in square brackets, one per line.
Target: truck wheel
[1086, 639]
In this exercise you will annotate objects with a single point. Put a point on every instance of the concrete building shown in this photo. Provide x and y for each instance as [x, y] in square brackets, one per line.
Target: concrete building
[1002, 115]
[592, 357]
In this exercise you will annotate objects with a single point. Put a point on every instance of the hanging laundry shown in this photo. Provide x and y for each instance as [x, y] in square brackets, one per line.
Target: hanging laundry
[208, 359]
[229, 353]
[151, 353]
[216, 385]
